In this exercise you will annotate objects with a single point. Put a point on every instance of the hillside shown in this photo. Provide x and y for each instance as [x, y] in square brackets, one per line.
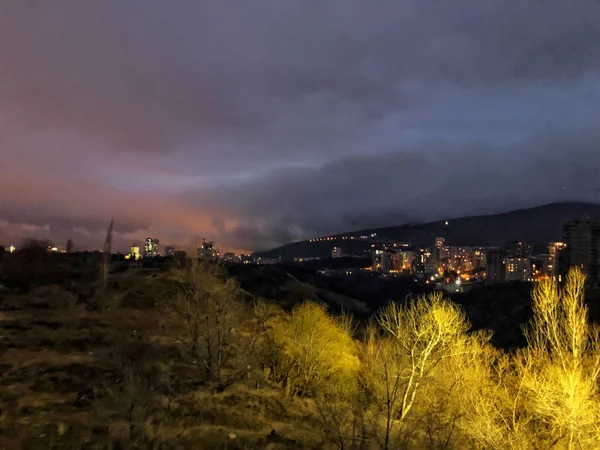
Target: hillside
[75, 377]
[537, 226]
[289, 287]
[195, 358]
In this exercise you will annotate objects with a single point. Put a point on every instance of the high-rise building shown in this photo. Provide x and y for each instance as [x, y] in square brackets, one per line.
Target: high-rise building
[478, 258]
[553, 250]
[547, 265]
[421, 260]
[405, 260]
[462, 259]
[517, 249]
[459, 259]
[582, 238]
[440, 241]
[134, 252]
[376, 255]
[208, 250]
[336, 252]
[495, 268]
[382, 260]
[562, 264]
[433, 258]
[518, 269]
[151, 248]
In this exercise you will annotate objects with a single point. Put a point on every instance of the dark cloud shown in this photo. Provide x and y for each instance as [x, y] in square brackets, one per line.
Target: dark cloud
[430, 182]
[257, 123]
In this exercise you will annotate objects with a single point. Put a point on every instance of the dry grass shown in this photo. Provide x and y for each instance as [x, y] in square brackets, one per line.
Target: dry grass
[73, 378]
[73, 375]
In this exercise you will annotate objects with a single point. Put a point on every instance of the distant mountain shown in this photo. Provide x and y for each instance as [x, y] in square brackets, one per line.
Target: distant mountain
[537, 226]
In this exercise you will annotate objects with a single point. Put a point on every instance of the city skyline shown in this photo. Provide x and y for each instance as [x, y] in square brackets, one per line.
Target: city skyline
[447, 267]
[256, 126]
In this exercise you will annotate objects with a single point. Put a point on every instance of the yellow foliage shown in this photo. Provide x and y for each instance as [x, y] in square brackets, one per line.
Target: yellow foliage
[420, 341]
[315, 346]
[562, 364]
[546, 395]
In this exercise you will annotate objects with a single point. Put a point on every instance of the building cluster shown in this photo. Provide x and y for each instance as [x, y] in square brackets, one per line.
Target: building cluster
[515, 261]
[448, 267]
[580, 248]
[204, 250]
[151, 249]
[438, 264]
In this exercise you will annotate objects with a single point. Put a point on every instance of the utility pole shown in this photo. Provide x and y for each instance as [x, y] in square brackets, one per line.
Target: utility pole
[105, 264]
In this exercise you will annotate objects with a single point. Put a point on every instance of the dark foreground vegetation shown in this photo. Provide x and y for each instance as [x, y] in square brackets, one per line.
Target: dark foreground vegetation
[186, 358]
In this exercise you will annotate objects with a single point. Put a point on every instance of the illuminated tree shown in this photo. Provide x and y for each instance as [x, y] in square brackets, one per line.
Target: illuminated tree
[314, 348]
[418, 336]
[495, 414]
[562, 364]
[451, 384]
[546, 395]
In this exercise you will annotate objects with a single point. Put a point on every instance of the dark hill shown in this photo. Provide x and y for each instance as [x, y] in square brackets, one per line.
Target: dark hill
[537, 226]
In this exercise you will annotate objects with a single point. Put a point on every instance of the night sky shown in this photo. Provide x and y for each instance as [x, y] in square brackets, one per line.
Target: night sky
[259, 122]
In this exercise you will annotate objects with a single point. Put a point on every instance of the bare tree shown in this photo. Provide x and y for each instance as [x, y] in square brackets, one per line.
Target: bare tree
[135, 392]
[212, 313]
[417, 337]
[562, 363]
[547, 395]
[341, 404]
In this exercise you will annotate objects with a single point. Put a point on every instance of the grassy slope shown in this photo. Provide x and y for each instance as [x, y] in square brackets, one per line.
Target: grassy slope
[73, 378]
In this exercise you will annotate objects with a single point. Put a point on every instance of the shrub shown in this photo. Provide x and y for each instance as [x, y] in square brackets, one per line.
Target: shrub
[315, 347]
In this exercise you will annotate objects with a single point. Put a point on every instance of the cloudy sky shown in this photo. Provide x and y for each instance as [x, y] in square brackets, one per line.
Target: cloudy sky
[256, 123]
